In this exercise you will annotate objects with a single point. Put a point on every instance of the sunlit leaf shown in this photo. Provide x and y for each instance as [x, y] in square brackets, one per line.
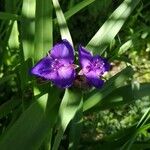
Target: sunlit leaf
[118, 97]
[75, 9]
[111, 27]
[65, 33]
[144, 118]
[97, 95]
[127, 45]
[69, 106]
[29, 131]
[27, 30]
[43, 28]
[25, 128]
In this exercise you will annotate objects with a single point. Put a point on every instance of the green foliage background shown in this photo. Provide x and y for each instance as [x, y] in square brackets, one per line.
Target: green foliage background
[35, 115]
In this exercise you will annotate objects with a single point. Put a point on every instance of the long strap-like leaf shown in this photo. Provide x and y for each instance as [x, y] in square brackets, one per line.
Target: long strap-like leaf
[75, 9]
[116, 81]
[65, 33]
[68, 108]
[43, 28]
[31, 128]
[111, 27]
[28, 28]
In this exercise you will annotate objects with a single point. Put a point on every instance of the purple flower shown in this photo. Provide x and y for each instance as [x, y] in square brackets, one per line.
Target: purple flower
[93, 67]
[58, 65]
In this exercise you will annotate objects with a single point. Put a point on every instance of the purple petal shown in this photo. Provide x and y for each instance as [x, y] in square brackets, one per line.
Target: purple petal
[66, 76]
[43, 69]
[43, 66]
[84, 56]
[102, 64]
[98, 58]
[63, 50]
[107, 64]
[94, 80]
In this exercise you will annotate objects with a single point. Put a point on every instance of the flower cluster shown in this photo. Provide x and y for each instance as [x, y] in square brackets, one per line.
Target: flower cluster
[58, 66]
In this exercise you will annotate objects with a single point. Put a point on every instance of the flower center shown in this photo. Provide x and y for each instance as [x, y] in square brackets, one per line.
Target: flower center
[96, 66]
[56, 64]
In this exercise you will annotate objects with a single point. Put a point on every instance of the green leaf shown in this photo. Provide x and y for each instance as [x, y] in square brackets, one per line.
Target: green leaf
[9, 16]
[119, 97]
[140, 127]
[144, 127]
[68, 108]
[6, 78]
[95, 97]
[127, 136]
[27, 29]
[25, 128]
[118, 139]
[127, 45]
[23, 74]
[23, 81]
[8, 106]
[76, 128]
[43, 28]
[111, 27]
[75, 9]
[14, 43]
[140, 146]
[65, 33]
[29, 131]
[144, 118]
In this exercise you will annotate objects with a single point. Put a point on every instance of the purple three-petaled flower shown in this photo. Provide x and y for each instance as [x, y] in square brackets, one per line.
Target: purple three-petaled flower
[93, 67]
[58, 65]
